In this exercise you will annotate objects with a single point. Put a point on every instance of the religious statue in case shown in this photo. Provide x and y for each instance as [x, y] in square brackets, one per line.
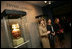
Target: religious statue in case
[17, 39]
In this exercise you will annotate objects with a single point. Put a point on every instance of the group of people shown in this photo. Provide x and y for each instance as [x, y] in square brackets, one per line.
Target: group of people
[51, 34]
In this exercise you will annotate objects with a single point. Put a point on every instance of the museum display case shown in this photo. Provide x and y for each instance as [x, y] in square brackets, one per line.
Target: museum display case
[13, 28]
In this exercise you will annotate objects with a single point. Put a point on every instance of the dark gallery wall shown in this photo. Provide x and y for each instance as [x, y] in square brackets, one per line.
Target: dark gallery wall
[57, 8]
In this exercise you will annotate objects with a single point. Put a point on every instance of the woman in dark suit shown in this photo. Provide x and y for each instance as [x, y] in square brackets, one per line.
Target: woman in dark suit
[51, 34]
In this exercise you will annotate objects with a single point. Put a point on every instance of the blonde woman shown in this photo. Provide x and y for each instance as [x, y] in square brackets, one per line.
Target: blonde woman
[44, 34]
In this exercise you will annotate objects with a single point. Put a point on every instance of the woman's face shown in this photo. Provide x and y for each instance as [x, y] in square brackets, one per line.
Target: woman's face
[42, 22]
[49, 21]
[57, 20]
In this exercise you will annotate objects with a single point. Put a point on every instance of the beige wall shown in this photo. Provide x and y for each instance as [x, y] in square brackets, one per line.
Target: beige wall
[31, 10]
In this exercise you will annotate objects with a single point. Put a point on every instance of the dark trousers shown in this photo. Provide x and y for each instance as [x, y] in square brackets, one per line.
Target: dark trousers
[51, 40]
[61, 36]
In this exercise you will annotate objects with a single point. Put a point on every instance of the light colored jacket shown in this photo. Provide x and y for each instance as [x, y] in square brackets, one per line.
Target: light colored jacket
[44, 37]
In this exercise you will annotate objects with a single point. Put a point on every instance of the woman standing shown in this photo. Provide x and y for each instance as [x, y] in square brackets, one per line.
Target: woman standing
[59, 32]
[51, 34]
[44, 34]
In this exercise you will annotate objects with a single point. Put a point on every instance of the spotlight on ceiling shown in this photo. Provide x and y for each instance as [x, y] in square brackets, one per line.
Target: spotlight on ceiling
[45, 1]
[49, 2]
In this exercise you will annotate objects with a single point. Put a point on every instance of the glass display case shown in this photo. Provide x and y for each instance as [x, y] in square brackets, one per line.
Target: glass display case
[13, 28]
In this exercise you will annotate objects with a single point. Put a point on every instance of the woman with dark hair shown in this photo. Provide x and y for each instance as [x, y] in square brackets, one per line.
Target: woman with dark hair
[59, 31]
[51, 34]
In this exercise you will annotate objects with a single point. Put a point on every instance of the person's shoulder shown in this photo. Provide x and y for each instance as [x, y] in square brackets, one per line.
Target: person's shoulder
[55, 24]
[48, 25]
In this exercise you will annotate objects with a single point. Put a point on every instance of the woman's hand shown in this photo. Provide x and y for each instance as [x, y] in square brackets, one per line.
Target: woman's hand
[48, 32]
[53, 33]
[61, 30]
